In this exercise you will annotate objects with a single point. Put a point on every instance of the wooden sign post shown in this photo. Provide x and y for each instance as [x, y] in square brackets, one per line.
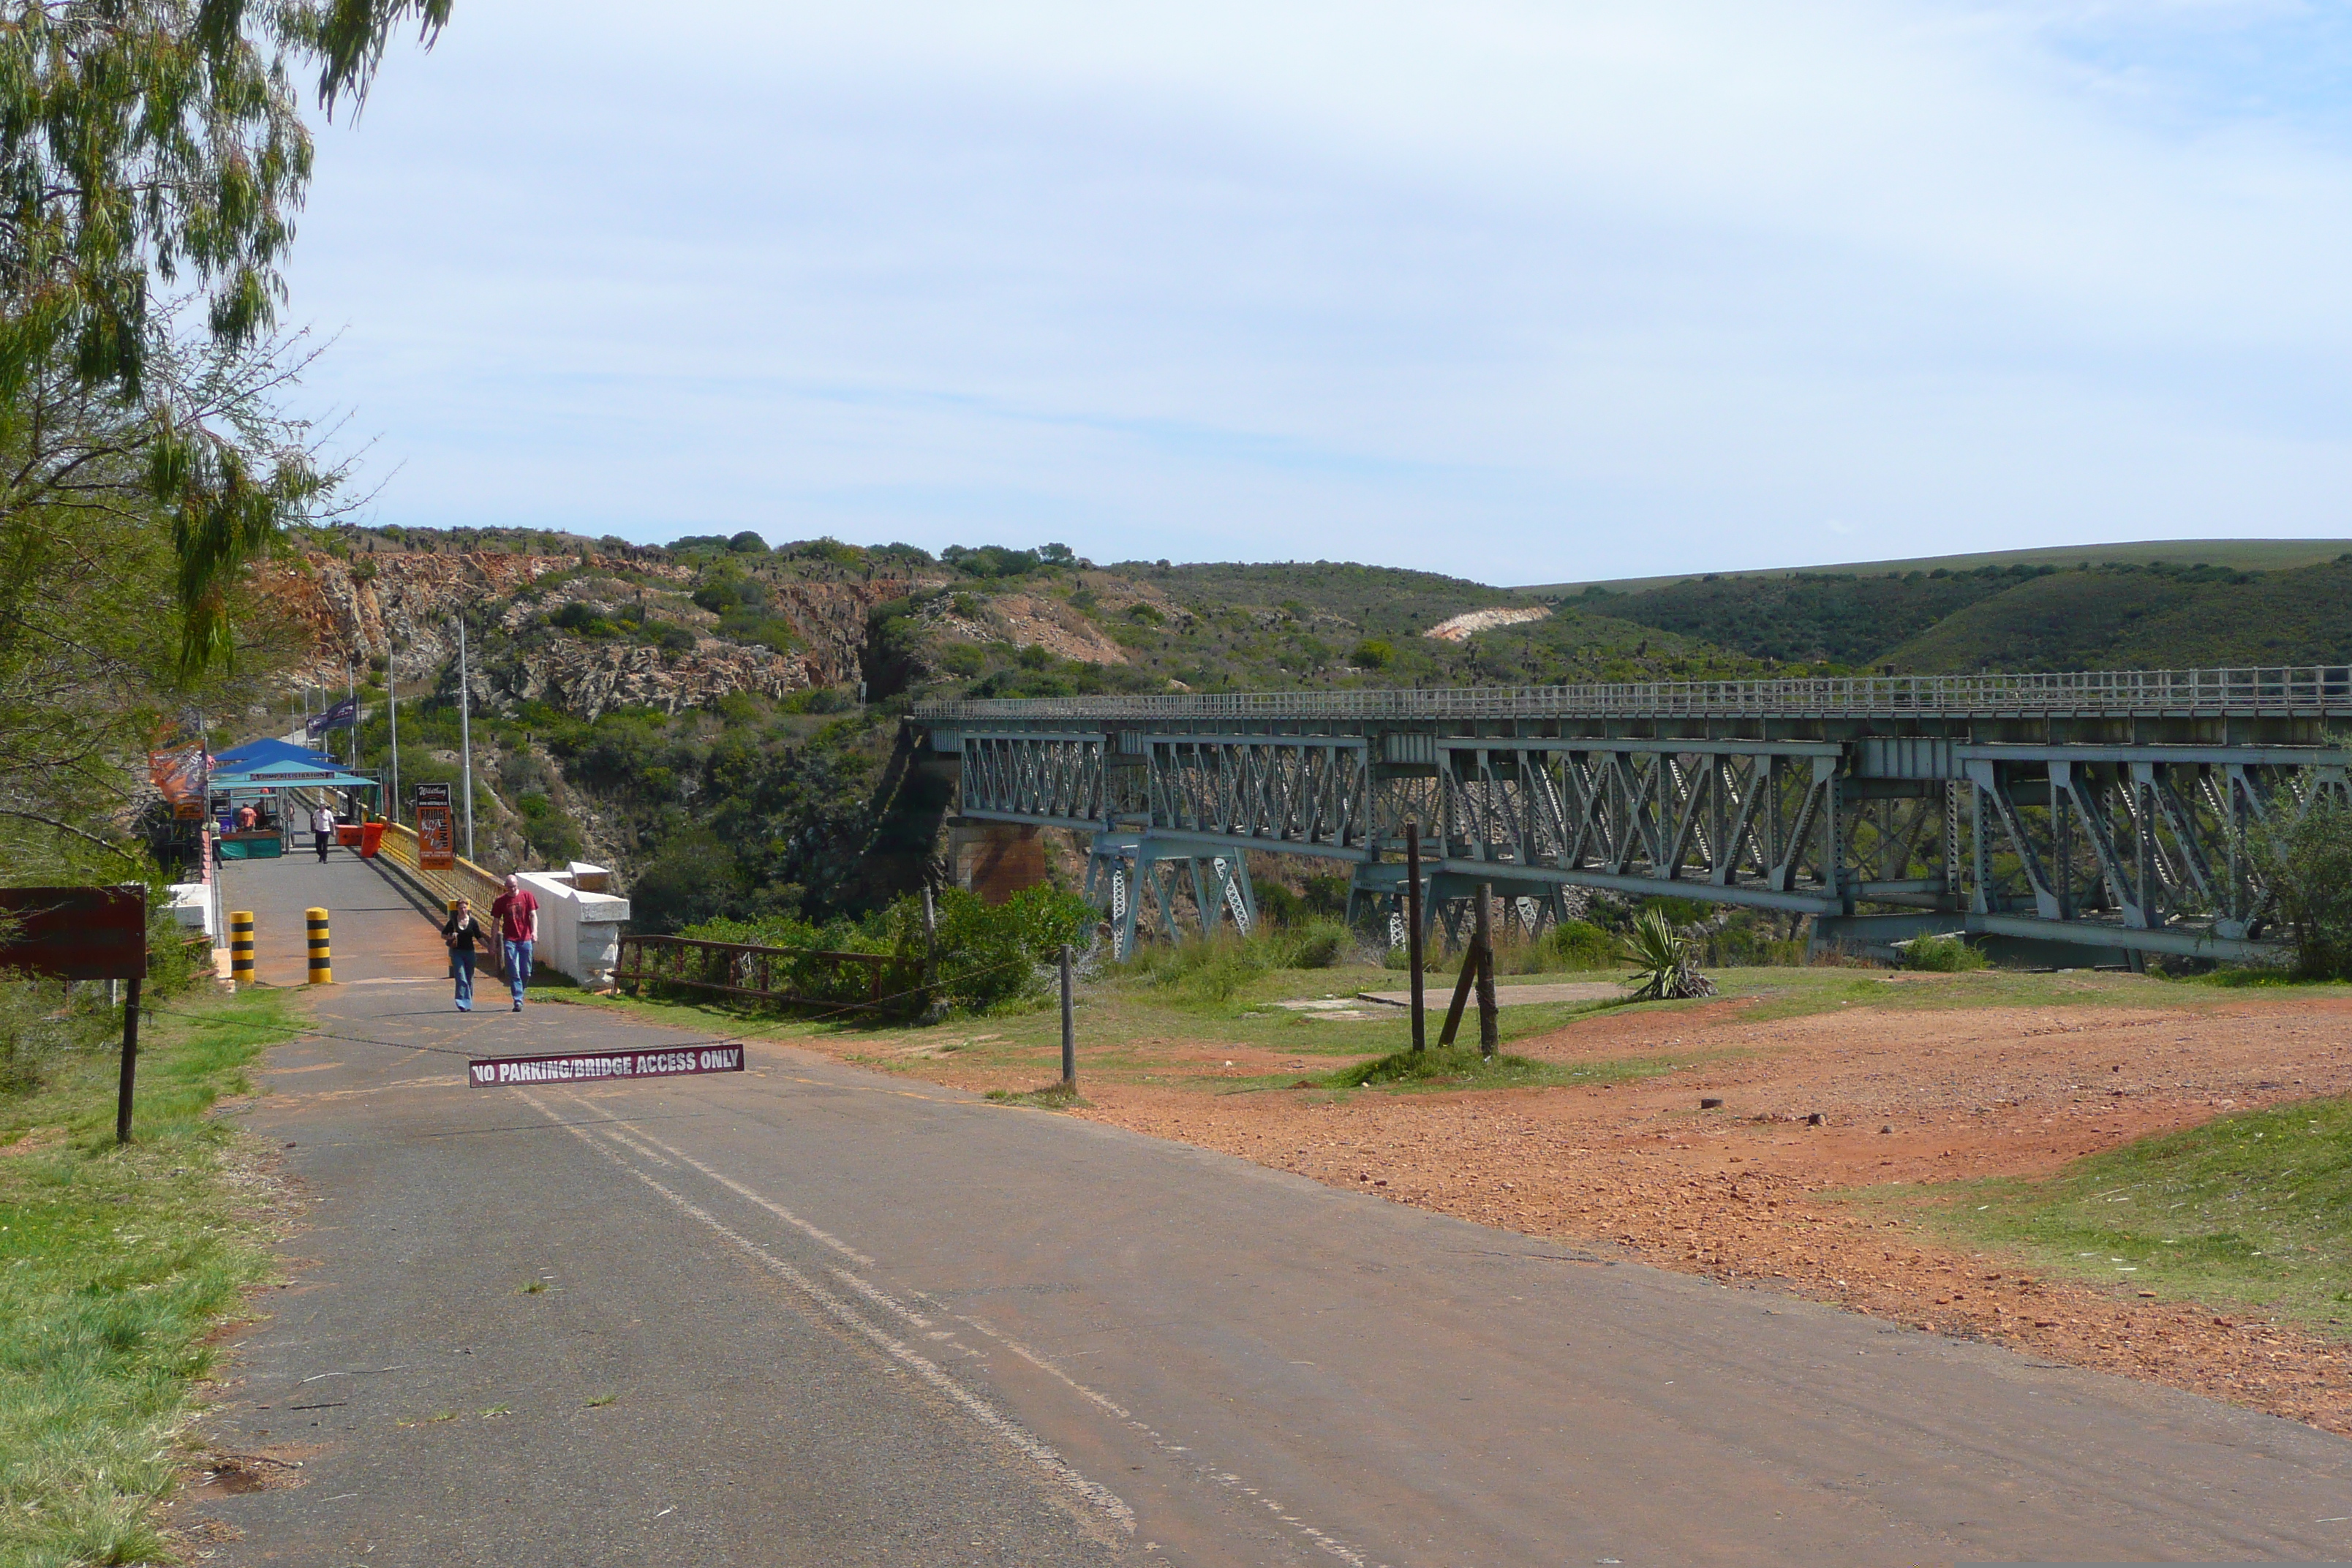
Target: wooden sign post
[84, 934]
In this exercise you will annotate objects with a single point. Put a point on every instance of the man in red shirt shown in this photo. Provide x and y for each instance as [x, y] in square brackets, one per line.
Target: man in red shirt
[515, 913]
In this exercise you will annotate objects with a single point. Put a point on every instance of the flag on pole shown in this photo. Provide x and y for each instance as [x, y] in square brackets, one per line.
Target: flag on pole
[343, 715]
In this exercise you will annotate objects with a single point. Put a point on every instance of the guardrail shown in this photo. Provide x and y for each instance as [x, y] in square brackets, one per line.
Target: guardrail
[2297, 691]
[746, 969]
[463, 880]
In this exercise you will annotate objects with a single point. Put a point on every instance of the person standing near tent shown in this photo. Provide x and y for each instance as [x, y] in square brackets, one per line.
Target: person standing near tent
[322, 824]
[516, 914]
[461, 932]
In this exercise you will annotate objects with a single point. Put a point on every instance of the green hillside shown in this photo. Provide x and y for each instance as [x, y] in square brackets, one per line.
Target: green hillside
[1808, 617]
[2240, 555]
[2147, 619]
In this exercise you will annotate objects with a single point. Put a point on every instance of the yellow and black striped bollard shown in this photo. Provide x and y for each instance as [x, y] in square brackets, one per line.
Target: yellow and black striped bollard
[322, 965]
[240, 947]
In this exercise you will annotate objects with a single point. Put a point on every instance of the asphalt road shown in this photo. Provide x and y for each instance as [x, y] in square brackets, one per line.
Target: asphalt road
[810, 1315]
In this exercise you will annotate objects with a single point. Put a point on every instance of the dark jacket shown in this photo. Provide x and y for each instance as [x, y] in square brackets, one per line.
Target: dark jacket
[467, 935]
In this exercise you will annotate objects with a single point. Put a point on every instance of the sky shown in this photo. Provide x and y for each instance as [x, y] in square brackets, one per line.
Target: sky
[1521, 292]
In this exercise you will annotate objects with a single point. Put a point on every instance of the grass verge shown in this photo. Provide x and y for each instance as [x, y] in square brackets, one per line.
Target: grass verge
[1054, 1095]
[115, 1263]
[2252, 1210]
[1459, 1067]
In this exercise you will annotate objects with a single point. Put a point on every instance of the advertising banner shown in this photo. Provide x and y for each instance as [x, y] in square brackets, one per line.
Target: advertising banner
[436, 845]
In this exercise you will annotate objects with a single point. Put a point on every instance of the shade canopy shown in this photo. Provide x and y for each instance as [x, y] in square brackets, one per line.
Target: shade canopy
[258, 753]
[289, 773]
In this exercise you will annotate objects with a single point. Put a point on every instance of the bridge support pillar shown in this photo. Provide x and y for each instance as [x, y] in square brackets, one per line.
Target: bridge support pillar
[1181, 884]
[996, 859]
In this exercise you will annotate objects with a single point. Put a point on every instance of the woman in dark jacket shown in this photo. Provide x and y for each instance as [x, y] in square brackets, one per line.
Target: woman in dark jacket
[461, 932]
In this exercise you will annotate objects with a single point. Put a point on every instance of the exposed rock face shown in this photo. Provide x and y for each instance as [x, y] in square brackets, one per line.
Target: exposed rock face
[586, 679]
[1029, 620]
[401, 607]
[1464, 626]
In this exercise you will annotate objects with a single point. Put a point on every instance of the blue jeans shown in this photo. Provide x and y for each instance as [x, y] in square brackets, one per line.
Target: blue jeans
[518, 955]
[461, 968]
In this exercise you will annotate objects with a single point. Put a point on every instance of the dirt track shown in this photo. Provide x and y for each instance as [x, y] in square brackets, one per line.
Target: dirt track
[1904, 1096]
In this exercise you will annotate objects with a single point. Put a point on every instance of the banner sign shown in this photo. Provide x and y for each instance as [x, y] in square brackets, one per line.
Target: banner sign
[340, 717]
[178, 772]
[436, 845]
[429, 794]
[78, 933]
[588, 1066]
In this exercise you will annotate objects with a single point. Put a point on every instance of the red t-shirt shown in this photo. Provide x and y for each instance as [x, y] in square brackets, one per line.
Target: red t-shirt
[514, 913]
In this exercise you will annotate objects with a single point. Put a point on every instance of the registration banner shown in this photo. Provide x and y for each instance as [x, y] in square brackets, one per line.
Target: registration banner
[589, 1067]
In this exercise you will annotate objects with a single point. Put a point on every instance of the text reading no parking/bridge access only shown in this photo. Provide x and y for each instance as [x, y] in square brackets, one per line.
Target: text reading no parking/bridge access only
[585, 1066]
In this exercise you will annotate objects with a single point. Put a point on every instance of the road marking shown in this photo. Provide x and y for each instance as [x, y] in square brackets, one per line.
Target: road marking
[1321, 1538]
[741, 1190]
[1004, 1427]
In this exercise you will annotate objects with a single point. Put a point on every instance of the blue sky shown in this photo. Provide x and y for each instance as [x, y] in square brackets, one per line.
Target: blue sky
[1526, 293]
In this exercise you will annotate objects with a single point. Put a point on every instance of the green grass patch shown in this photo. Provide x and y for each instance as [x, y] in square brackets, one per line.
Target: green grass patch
[1055, 1096]
[2252, 1210]
[115, 1263]
[1460, 1066]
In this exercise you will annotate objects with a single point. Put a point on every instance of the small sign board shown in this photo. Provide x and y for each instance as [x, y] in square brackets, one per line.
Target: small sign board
[430, 793]
[591, 1067]
[436, 843]
[76, 933]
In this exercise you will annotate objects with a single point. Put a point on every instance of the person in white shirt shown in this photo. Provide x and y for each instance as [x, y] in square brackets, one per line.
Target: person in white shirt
[322, 826]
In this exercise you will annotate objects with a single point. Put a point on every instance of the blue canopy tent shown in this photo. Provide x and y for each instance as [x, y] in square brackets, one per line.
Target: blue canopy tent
[256, 753]
[263, 783]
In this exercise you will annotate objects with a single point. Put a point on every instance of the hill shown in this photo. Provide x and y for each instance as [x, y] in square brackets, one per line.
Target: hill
[2146, 618]
[2239, 555]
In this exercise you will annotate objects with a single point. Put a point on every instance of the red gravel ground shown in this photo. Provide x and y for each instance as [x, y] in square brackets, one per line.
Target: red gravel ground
[1903, 1097]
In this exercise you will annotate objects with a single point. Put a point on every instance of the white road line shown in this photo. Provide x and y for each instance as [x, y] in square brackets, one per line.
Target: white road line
[1011, 1432]
[746, 1193]
[1321, 1538]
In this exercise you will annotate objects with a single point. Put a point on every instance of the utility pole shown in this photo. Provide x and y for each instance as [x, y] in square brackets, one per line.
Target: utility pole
[466, 732]
[392, 702]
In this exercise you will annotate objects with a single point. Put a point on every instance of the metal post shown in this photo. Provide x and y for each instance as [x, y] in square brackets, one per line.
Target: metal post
[931, 945]
[129, 1065]
[351, 691]
[391, 705]
[1069, 1028]
[1483, 945]
[1413, 929]
[466, 733]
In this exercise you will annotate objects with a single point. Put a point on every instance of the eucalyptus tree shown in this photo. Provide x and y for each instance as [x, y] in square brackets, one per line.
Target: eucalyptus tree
[153, 155]
[149, 147]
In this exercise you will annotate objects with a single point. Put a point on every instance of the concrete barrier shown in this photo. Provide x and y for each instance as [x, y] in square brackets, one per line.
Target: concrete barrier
[579, 922]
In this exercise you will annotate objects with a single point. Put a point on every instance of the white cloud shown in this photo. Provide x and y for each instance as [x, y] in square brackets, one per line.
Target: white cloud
[1519, 291]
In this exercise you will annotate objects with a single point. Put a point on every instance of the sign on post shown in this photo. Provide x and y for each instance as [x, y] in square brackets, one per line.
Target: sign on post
[591, 1067]
[76, 933]
[436, 842]
[84, 934]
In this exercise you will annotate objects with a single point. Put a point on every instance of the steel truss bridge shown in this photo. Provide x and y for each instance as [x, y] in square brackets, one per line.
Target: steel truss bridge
[2050, 813]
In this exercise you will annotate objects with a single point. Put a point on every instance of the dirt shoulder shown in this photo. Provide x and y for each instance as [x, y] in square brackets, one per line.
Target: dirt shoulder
[1909, 1096]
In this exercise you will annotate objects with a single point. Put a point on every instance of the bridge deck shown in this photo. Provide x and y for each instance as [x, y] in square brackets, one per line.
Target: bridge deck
[2300, 691]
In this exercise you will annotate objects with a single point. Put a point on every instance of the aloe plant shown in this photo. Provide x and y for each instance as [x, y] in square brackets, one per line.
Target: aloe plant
[1661, 957]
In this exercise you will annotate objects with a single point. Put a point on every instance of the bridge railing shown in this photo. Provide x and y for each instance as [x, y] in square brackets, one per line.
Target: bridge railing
[2299, 690]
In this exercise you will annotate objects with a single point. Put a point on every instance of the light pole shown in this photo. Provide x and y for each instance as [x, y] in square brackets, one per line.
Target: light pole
[391, 705]
[466, 732]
